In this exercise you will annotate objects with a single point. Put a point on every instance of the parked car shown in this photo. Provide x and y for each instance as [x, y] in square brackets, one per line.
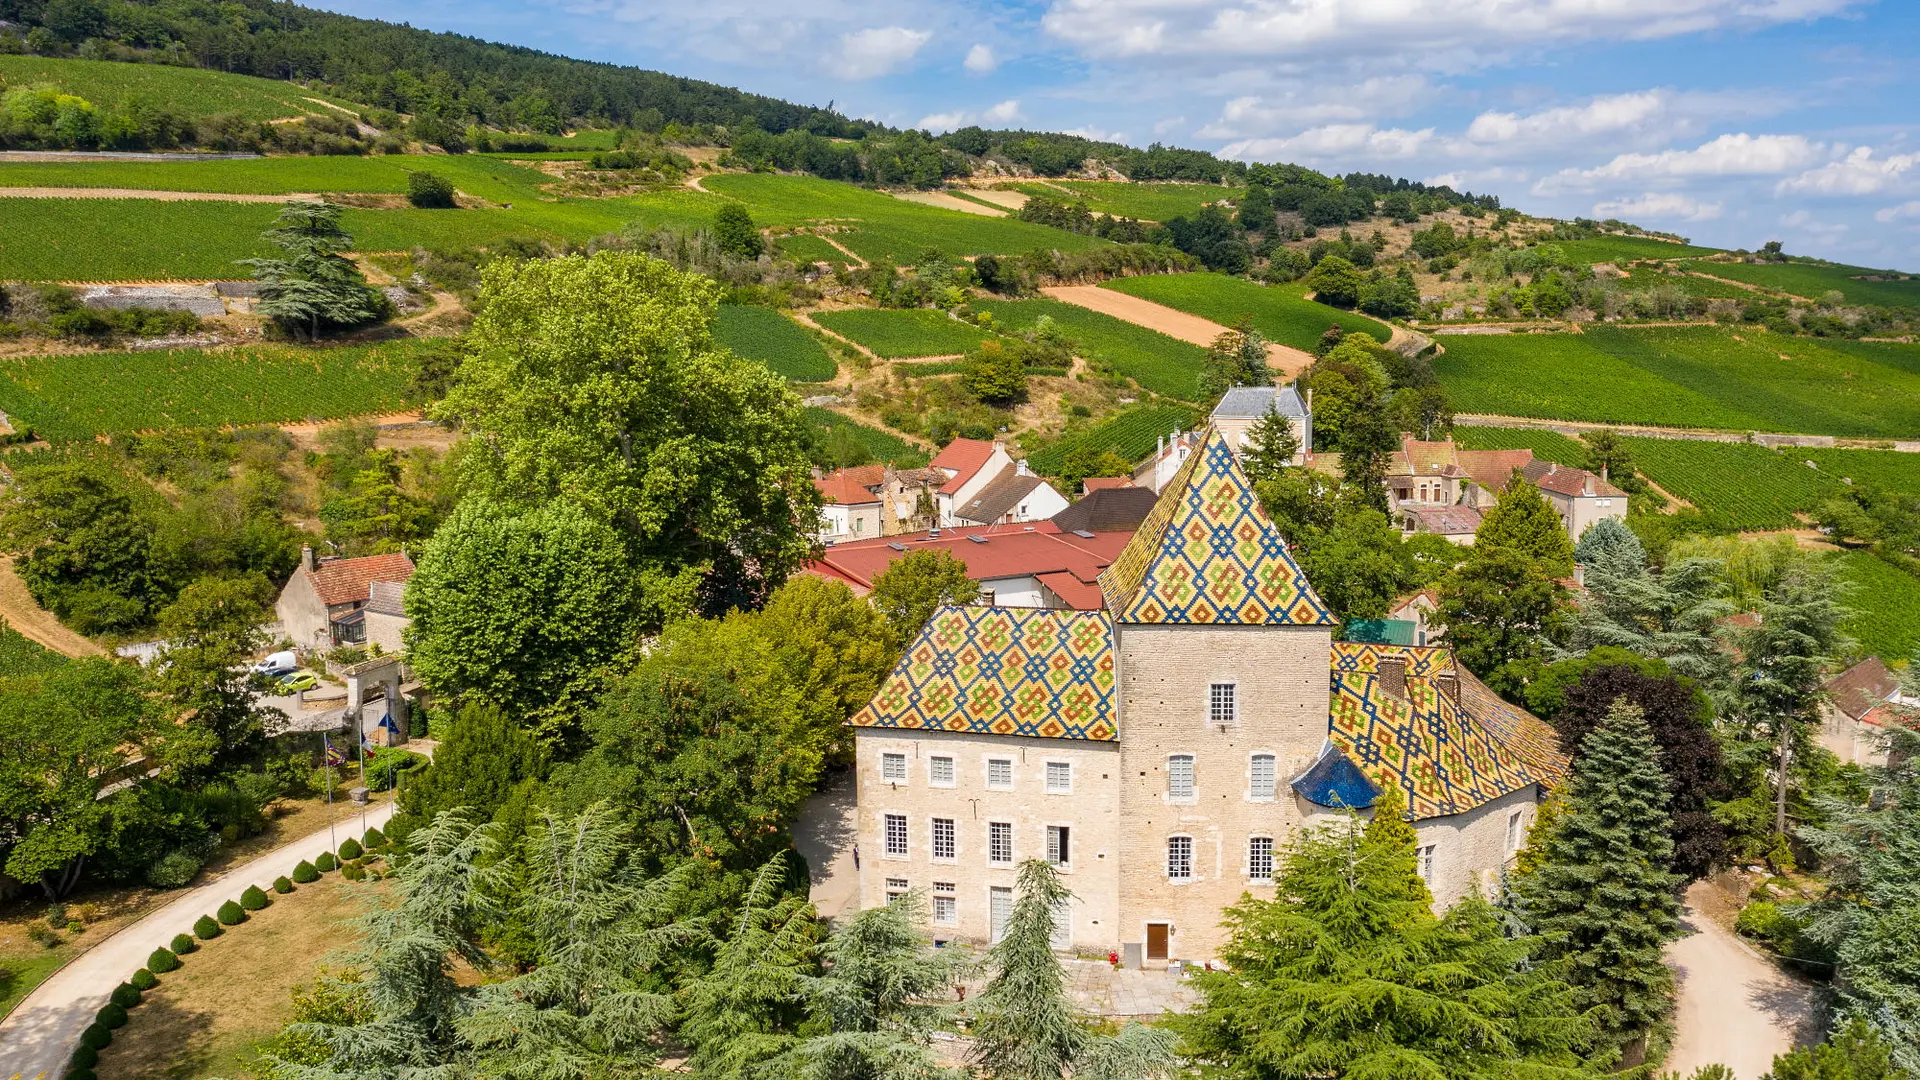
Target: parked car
[278, 664]
[298, 681]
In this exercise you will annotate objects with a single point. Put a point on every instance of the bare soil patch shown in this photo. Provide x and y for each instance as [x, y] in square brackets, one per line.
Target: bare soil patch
[35, 622]
[139, 193]
[1284, 359]
[1012, 200]
[948, 202]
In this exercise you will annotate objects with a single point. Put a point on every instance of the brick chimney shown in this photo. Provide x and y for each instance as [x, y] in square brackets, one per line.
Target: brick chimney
[307, 560]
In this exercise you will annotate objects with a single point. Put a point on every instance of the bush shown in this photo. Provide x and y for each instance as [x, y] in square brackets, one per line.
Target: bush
[374, 839]
[96, 1036]
[305, 874]
[111, 1016]
[184, 944]
[354, 872]
[206, 929]
[173, 870]
[430, 191]
[325, 863]
[126, 995]
[84, 1057]
[350, 850]
[143, 980]
[282, 886]
[253, 899]
[231, 914]
[43, 934]
[161, 961]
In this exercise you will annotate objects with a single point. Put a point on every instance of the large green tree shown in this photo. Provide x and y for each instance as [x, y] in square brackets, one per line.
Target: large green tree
[908, 592]
[211, 630]
[1521, 521]
[1270, 448]
[1602, 893]
[1500, 610]
[83, 543]
[597, 380]
[1237, 357]
[312, 286]
[482, 757]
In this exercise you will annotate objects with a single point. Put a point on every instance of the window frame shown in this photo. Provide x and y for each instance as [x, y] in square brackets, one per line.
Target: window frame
[1065, 833]
[953, 771]
[1424, 862]
[1232, 688]
[945, 891]
[987, 771]
[1191, 875]
[1047, 768]
[1273, 779]
[1253, 877]
[886, 836]
[953, 839]
[889, 758]
[1516, 830]
[1192, 794]
[994, 834]
[898, 887]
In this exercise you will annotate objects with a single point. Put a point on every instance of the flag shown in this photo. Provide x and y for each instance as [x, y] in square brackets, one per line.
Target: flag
[335, 758]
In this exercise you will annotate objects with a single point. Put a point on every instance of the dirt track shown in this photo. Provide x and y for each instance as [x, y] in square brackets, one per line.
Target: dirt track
[1285, 359]
[1735, 1007]
[35, 622]
[948, 202]
[140, 193]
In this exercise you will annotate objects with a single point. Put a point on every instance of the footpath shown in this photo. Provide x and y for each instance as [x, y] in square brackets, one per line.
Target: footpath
[1736, 1008]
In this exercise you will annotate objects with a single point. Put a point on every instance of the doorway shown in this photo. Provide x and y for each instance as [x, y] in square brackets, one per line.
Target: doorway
[1157, 940]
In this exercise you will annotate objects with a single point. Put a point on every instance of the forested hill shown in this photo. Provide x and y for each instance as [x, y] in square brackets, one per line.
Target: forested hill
[447, 77]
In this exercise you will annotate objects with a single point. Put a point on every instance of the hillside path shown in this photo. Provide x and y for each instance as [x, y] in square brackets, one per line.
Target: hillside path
[142, 193]
[34, 622]
[1573, 429]
[1735, 1007]
[1285, 359]
[38, 1037]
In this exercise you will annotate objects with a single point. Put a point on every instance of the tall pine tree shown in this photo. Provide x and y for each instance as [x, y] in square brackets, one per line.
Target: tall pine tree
[1270, 447]
[1602, 894]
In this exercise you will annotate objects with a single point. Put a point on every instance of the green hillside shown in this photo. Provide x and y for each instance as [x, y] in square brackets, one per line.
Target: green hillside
[1281, 312]
[194, 91]
[1813, 280]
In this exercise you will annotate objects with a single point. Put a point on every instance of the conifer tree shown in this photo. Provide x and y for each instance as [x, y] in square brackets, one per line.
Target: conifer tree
[1270, 447]
[1602, 894]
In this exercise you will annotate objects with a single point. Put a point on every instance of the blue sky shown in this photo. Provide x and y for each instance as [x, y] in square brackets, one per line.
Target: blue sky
[1729, 121]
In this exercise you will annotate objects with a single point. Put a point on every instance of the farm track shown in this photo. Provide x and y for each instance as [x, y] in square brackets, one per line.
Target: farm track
[1285, 359]
[1573, 429]
[35, 622]
[157, 196]
[948, 202]
[806, 319]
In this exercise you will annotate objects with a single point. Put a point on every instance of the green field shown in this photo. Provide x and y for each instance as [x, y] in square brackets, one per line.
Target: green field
[20, 656]
[1149, 202]
[903, 334]
[1546, 445]
[1131, 434]
[1882, 469]
[883, 445]
[1738, 485]
[1281, 312]
[194, 91]
[1157, 362]
[81, 395]
[1814, 280]
[1733, 380]
[487, 177]
[1647, 276]
[1885, 601]
[1619, 249]
[123, 239]
[813, 249]
[766, 336]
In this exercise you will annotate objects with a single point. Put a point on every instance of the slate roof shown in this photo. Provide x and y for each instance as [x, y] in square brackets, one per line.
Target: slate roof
[999, 498]
[1858, 689]
[1208, 554]
[1243, 402]
[964, 458]
[1112, 509]
[345, 581]
[1004, 671]
[1446, 756]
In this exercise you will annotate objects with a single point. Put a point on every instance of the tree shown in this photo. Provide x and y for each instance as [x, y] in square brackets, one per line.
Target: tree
[1336, 282]
[1499, 610]
[1523, 523]
[1603, 895]
[744, 1015]
[1607, 456]
[1346, 973]
[1608, 540]
[734, 230]
[375, 513]
[483, 756]
[312, 285]
[430, 191]
[1358, 567]
[996, 374]
[529, 611]
[1855, 1052]
[211, 630]
[1236, 358]
[832, 644]
[597, 379]
[909, 591]
[1270, 447]
[84, 547]
[1672, 615]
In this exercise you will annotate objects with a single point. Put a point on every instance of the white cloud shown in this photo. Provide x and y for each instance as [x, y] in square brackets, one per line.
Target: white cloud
[1004, 113]
[1895, 213]
[1803, 220]
[1859, 173]
[1256, 115]
[1171, 123]
[1352, 144]
[1659, 206]
[1728, 155]
[874, 52]
[1007, 112]
[980, 60]
[942, 122]
[1601, 116]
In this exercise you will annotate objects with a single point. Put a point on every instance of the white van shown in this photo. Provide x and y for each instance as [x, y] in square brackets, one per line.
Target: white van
[278, 664]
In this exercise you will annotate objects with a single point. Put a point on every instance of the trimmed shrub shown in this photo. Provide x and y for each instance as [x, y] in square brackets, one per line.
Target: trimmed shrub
[305, 874]
[206, 929]
[350, 850]
[374, 838]
[96, 1036]
[326, 862]
[143, 980]
[182, 945]
[173, 870]
[354, 872]
[231, 914]
[253, 899]
[162, 961]
[282, 886]
[126, 995]
[84, 1057]
[111, 1016]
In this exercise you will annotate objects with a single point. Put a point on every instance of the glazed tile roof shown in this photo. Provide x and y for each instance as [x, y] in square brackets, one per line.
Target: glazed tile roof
[1208, 554]
[1004, 671]
[1406, 731]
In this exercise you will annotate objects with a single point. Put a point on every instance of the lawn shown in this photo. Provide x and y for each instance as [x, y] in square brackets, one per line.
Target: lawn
[883, 445]
[1883, 469]
[20, 655]
[766, 336]
[1814, 280]
[1157, 362]
[1619, 249]
[1131, 434]
[903, 334]
[1886, 606]
[1281, 312]
[1744, 379]
[1149, 202]
[192, 90]
[1738, 485]
[1546, 445]
[80, 395]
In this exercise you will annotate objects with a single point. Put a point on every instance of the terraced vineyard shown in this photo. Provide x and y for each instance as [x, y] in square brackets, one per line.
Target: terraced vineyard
[1881, 469]
[1885, 605]
[1130, 434]
[883, 445]
[1281, 312]
[1738, 485]
[22, 656]
[1546, 445]
[1643, 277]
[122, 239]
[1149, 202]
[486, 177]
[809, 248]
[81, 395]
[195, 91]
[1157, 362]
[903, 334]
[1619, 249]
[768, 337]
[1814, 280]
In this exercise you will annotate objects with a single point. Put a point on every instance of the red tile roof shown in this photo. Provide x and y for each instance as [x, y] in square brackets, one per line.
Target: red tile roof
[1459, 520]
[1095, 483]
[1011, 551]
[1492, 469]
[848, 487]
[963, 458]
[345, 581]
[1861, 687]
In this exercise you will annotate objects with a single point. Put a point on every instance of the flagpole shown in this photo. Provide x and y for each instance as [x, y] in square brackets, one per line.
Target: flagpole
[360, 722]
[326, 769]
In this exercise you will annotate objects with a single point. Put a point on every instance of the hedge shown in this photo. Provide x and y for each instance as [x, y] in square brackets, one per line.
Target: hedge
[282, 885]
[184, 944]
[354, 872]
[206, 929]
[111, 1016]
[375, 838]
[325, 863]
[144, 980]
[231, 914]
[84, 1057]
[163, 960]
[126, 995]
[349, 849]
[253, 899]
[305, 874]
[97, 1036]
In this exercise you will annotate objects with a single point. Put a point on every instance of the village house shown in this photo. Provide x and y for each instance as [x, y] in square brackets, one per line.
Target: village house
[1242, 406]
[323, 605]
[1856, 710]
[386, 615]
[1011, 498]
[876, 500]
[1162, 745]
[1436, 487]
[1034, 565]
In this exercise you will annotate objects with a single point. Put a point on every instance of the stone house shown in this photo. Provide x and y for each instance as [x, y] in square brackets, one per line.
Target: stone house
[1242, 406]
[1457, 524]
[322, 605]
[1856, 710]
[969, 465]
[386, 615]
[1011, 498]
[876, 500]
[1162, 747]
[1578, 496]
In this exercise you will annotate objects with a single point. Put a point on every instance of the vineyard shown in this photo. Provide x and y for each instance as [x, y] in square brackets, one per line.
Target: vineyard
[805, 247]
[1157, 362]
[768, 337]
[1546, 445]
[903, 334]
[81, 395]
[1882, 469]
[1814, 280]
[1885, 605]
[195, 91]
[1148, 202]
[21, 656]
[1130, 434]
[487, 177]
[1281, 312]
[883, 445]
[1620, 249]
[1644, 277]
[1736, 485]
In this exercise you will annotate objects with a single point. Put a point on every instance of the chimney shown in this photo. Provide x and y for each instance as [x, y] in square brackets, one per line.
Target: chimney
[1393, 676]
[999, 447]
[307, 561]
[1020, 468]
[1309, 401]
[1603, 470]
[1449, 684]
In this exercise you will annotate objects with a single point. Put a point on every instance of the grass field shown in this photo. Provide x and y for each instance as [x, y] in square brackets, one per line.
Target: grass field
[21, 656]
[487, 177]
[1281, 312]
[1814, 280]
[1617, 249]
[1149, 202]
[1130, 434]
[192, 90]
[765, 335]
[1735, 380]
[808, 248]
[81, 395]
[1157, 362]
[1738, 485]
[883, 445]
[1881, 469]
[1546, 445]
[903, 334]
[1885, 601]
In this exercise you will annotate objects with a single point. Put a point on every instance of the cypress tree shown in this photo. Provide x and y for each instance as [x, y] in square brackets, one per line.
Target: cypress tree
[1603, 895]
